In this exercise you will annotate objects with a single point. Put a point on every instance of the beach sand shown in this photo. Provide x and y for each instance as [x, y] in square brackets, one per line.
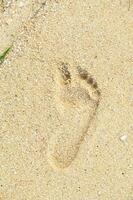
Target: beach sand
[66, 104]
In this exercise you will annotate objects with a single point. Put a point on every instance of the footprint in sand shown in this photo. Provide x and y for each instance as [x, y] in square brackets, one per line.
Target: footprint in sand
[77, 99]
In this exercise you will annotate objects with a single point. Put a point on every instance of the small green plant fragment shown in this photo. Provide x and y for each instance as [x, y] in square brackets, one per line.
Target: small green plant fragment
[3, 55]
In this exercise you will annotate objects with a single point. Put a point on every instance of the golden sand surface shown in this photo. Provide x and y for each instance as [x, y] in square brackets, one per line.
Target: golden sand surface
[66, 100]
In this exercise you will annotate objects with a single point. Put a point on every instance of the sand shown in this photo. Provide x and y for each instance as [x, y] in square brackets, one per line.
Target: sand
[66, 106]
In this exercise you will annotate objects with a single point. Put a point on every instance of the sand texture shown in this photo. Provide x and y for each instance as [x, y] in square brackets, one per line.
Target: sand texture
[66, 100]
